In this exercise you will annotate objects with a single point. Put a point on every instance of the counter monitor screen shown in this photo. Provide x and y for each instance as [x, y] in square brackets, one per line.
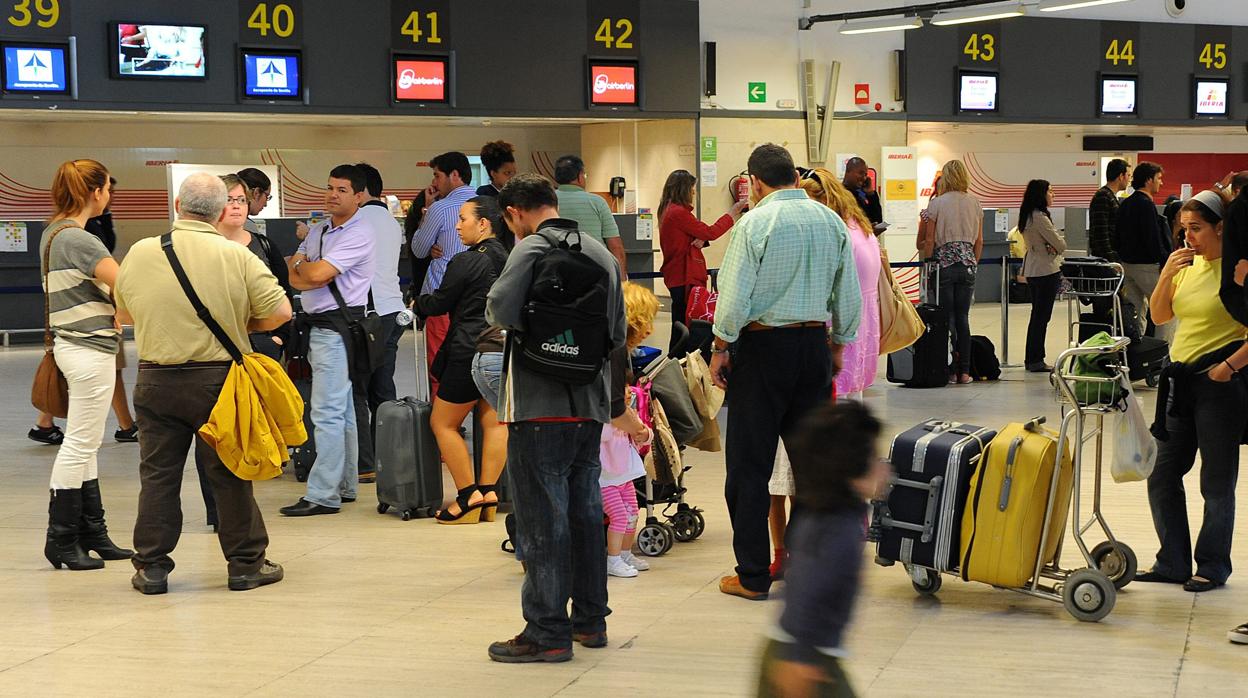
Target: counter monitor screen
[421, 79]
[977, 92]
[159, 51]
[613, 84]
[1118, 95]
[271, 74]
[35, 68]
[1211, 97]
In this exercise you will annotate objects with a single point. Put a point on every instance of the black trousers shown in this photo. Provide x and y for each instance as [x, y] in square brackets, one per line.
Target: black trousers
[378, 388]
[1043, 296]
[777, 376]
[170, 405]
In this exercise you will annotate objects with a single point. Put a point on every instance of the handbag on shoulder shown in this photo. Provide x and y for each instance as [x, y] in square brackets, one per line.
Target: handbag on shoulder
[900, 324]
[50, 391]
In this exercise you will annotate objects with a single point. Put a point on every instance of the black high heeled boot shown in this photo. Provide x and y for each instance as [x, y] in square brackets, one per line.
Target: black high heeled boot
[92, 532]
[63, 546]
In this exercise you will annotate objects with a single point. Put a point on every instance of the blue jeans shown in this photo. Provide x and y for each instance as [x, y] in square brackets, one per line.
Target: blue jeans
[487, 373]
[957, 292]
[336, 470]
[554, 474]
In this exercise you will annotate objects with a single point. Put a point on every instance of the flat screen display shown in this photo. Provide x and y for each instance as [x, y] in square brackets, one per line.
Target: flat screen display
[33, 68]
[422, 79]
[159, 51]
[271, 75]
[1211, 97]
[613, 84]
[977, 92]
[1118, 95]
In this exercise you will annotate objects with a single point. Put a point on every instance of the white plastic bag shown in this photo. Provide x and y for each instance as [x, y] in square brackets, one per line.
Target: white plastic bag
[1135, 450]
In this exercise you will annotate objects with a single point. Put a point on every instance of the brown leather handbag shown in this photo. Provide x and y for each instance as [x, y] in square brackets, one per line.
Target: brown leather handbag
[50, 392]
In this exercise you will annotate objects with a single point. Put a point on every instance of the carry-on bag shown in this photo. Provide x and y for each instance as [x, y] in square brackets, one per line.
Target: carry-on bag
[409, 467]
[299, 368]
[924, 364]
[1147, 358]
[919, 521]
[1004, 519]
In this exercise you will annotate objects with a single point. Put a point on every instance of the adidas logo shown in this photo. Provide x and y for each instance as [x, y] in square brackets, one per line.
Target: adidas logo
[562, 343]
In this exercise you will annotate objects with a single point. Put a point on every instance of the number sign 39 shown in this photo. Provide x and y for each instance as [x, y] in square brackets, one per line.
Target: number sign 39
[36, 16]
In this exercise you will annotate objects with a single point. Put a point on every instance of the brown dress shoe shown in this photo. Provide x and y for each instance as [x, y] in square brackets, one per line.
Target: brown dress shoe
[732, 586]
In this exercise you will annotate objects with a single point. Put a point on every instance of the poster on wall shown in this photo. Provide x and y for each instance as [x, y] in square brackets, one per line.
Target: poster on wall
[900, 199]
[176, 172]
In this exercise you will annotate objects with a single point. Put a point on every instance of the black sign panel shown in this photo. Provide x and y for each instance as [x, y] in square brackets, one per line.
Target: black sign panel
[263, 22]
[420, 24]
[30, 19]
[614, 27]
[1212, 52]
[1120, 47]
[981, 45]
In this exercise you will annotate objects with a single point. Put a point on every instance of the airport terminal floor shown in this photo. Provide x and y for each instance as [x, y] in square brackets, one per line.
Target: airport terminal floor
[372, 605]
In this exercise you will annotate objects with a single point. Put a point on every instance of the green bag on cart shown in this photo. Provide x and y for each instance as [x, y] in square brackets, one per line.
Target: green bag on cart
[1097, 366]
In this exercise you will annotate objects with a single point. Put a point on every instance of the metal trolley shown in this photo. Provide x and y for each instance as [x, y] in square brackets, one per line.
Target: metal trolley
[1092, 279]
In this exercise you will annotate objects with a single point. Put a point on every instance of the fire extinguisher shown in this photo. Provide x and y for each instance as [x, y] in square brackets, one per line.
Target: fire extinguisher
[740, 186]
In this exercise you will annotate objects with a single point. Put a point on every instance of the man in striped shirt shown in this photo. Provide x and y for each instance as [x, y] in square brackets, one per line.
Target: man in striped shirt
[789, 301]
[437, 238]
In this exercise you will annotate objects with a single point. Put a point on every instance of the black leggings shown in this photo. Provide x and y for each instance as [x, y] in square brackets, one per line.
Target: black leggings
[957, 290]
[1043, 296]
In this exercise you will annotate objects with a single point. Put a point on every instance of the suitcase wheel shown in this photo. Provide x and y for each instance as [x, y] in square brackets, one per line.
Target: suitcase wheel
[383, 508]
[1152, 380]
[1088, 595]
[406, 515]
[926, 582]
[1117, 561]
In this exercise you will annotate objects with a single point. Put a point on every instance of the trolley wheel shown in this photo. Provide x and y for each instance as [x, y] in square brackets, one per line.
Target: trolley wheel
[383, 508]
[406, 515]
[684, 526]
[652, 540]
[1152, 380]
[1116, 561]
[926, 582]
[1088, 595]
[700, 521]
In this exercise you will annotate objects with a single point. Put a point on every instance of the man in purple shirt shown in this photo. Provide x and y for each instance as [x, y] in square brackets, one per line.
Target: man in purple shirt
[337, 253]
[452, 176]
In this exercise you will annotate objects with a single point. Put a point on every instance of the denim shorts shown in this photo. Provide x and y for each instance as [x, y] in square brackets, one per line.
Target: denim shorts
[487, 373]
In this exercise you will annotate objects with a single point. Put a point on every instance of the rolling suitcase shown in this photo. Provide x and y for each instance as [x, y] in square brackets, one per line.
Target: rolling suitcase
[920, 519]
[409, 468]
[1004, 519]
[1146, 358]
[300, 372]
[924, 364]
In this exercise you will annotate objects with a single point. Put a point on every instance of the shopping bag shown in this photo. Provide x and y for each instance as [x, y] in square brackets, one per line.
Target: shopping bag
[701, 304]
[1135, 450]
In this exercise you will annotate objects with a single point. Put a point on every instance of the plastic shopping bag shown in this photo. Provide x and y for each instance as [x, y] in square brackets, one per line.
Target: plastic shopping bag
[1135, 450]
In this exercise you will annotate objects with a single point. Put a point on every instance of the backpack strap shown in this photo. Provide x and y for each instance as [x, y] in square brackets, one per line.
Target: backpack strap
[166, 243]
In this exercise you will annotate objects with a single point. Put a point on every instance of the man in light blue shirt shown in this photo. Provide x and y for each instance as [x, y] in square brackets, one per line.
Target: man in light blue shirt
[789, 300]
[452, 177]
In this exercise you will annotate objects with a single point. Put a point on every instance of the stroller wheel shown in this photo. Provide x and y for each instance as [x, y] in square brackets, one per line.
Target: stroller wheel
[669, 535]
[684, 526]
[699, 521]
[652, 540]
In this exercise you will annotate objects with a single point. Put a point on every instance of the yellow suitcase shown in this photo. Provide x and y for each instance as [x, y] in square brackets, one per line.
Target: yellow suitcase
[1004, 518]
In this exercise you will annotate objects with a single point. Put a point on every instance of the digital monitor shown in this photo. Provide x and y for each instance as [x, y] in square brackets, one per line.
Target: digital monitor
[1118, 95]
[271, 74]
[423, 79]
[978, 91]
[614, 83]
[35, 68]
[1211, 97]
[161, 51]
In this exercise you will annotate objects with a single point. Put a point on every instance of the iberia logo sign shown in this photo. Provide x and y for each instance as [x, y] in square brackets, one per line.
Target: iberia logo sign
[613, 84]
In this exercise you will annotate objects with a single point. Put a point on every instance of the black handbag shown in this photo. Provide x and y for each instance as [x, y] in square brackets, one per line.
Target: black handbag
[366, 348]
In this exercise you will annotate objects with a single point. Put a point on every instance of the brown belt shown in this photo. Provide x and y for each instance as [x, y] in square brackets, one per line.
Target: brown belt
[149, 366]
[759, 327]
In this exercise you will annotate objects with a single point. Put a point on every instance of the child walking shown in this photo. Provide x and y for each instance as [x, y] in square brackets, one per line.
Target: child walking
[621, 463]
[835, 472]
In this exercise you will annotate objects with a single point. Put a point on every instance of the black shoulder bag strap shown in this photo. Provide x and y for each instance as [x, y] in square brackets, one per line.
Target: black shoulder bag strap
[166, 243]
[342, 303]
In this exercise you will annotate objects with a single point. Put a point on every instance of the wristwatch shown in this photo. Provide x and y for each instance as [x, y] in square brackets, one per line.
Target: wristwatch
[297, 263]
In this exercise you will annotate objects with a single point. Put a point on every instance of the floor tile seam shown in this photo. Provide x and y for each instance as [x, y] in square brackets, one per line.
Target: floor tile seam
[897, 650]
[313, 660]
[1187, 645]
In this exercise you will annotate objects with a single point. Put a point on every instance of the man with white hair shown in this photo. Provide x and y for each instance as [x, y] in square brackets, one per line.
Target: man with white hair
[182, 367]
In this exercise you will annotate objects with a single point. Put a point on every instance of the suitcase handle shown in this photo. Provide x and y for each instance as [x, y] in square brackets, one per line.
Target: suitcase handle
[926, 529]
[1004, 500]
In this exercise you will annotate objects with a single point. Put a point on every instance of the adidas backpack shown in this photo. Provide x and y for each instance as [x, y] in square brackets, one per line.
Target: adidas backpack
[566, 334]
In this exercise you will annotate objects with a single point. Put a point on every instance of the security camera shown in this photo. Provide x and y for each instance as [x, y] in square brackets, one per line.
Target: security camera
[1175, 8]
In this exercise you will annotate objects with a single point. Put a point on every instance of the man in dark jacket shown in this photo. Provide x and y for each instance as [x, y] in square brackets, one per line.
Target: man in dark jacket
[1103, 226]
[1235, 258]
[1143, 240]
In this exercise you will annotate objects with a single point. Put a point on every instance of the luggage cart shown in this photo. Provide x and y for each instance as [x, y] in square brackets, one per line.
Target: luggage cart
[1092, 278]
[1088, 593]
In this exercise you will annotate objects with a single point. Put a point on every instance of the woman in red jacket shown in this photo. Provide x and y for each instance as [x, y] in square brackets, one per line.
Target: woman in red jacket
[682, 237]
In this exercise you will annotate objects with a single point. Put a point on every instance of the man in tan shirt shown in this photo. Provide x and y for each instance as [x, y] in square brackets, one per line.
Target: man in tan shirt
[182, 367]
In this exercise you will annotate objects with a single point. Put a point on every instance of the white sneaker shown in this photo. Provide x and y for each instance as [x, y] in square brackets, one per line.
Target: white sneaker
[638, 564]
[616, 567]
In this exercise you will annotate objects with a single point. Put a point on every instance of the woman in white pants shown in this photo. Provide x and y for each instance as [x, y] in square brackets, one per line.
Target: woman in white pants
[78, 275]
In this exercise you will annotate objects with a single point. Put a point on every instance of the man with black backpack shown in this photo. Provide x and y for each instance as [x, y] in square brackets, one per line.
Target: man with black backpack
[559, 298]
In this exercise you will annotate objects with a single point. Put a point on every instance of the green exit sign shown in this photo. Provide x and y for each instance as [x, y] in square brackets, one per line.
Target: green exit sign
[757, 92]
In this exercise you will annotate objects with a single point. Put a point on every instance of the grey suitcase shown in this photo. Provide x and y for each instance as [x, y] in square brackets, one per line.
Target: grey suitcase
[409, 468]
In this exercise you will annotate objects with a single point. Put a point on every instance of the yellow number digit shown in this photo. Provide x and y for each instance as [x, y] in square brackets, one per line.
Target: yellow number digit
[411, 27]
[603, 35]
[989, 49]
[433, 28]
[286, 27]
[22, 10]
[1128, 52]
[1219, 56]
[50, 10]
[972, 47]
[259, 19]
[626, 30]
[1206, 57]
[1113, 53]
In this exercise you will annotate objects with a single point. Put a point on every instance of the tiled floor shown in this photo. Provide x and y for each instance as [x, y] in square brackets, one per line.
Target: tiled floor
[373, 606]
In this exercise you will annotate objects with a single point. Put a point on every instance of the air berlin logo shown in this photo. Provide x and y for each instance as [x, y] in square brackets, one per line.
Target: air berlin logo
[562, 343]
[408, 79]
[602, 83]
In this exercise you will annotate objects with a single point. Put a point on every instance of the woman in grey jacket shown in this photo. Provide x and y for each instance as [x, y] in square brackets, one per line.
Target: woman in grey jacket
[1042, 266]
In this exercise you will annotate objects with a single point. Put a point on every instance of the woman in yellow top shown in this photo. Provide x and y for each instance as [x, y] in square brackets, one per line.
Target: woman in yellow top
[1208, 406]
